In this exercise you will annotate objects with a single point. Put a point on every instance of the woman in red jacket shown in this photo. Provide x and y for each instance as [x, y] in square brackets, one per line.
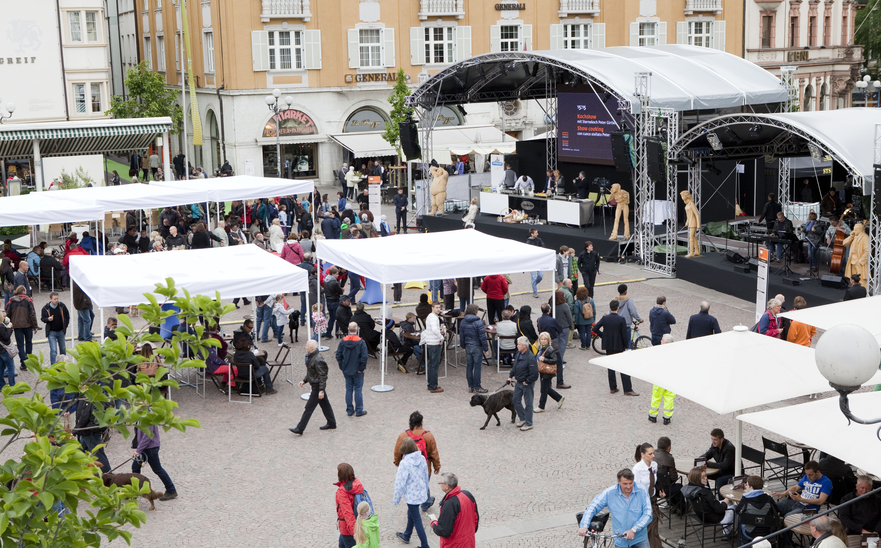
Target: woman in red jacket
[349, 486]
[495, 287]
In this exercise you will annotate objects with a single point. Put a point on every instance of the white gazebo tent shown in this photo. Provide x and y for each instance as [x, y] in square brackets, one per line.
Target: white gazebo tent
[747, 369]
[437, 255]
[821, 425]
[35, 209]
[866, 311]
[236, 271]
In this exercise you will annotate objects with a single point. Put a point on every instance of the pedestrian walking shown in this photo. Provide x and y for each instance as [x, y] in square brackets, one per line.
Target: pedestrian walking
[548, 363]
[458, 520]
[427, 447]
[366, 527]
[84, 315]
[7, 351]
[411, 484]
[316, 376]
[645, 474]
[536, 276]
[24, 321]
[612, 328]
[433, 339]
[56, 318]
[660, 395]
[147, 449]
[630, 508]
[589, 265]
[348, 487]
[351, 356]
[660, 320]
[524, 373]
[88, 432]
[585, 313]
[472, 337]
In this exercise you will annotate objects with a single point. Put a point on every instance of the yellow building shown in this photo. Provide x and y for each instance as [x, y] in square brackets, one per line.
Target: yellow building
[337, 60]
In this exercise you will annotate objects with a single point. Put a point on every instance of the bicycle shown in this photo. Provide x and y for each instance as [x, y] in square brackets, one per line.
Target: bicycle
[594, 539]
[637, 341]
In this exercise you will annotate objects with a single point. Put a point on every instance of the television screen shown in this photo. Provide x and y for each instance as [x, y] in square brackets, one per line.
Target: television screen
[584, 124]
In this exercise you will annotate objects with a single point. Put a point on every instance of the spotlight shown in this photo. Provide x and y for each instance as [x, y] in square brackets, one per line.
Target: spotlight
[459, 80]
[683, 158]
[504, 69]
[606, 96]
[733, 136]
[816, 153]
[756, 130]
[713, 169]
[714, 141]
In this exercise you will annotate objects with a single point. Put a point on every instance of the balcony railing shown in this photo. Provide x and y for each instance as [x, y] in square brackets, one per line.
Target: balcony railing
[285, 9]
[692, 6]
[579, 7]
[441, 8]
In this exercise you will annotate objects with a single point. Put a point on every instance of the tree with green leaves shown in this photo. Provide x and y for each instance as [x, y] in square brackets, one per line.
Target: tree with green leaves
[399, 111]
[867, 23]
[52, 493]
[148, 97]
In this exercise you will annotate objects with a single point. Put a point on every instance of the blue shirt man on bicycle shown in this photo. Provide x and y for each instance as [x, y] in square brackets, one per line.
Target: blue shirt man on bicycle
[630, 508]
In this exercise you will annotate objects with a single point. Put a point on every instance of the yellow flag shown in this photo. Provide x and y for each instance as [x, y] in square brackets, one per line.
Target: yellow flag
[194, 105]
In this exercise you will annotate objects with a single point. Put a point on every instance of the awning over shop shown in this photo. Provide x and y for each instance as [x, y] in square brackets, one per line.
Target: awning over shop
[482, 139]
[80, 137]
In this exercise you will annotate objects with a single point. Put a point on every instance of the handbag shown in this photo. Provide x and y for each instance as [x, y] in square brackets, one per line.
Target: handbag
[533, 346]
[10, 348]
[546, 367]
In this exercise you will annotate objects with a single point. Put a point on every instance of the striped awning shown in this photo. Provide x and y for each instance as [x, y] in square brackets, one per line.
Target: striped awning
[79, 138]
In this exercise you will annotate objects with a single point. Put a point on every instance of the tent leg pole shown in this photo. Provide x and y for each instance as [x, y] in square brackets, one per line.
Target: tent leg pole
[101, 328]
[308, 332]
[72, 309]
[382, 387]
[738, 445]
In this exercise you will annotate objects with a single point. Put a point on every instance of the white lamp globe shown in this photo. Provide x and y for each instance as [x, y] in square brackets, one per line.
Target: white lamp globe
[10, 107]
[290, 100]
[270, 100]
[277, 92]
[867, 78]
[847, 355]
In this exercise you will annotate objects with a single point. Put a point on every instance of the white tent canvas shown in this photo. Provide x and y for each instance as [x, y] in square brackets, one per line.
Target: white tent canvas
[133, 196]
[241, 187]
[863, 312]
[236, 271]
[436, 255]
[46, 208]
[821, 425]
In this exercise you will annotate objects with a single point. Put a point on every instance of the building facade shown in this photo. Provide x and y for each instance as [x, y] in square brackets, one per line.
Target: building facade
[816, 37]
[339, 60]
[122, 32]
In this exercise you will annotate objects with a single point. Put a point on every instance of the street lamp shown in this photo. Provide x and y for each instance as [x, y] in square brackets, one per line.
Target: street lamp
[864, 85]
[847, 356]
[272, 101]
[10, 108]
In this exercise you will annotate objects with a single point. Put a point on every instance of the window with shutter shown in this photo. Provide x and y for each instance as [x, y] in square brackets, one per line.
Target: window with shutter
[259, 50]
[463, 43]
[599, 35]
[312, 49]
[417, 51]
[388, 38]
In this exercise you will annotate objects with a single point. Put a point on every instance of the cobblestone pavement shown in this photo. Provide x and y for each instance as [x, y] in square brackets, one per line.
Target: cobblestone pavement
[244, 480]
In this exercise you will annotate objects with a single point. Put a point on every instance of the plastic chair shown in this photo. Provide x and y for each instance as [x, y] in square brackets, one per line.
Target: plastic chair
[695, 521]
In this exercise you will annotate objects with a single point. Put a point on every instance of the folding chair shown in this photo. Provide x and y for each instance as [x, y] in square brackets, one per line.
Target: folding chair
[243, 381]
[752, 455]
[281, 361]
[695, 521]
[499, 350]
[790, 467]
[764, 523]
[665, 482]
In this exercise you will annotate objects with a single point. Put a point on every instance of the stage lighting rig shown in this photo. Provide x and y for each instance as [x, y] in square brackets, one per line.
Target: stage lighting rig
[733, 137]
[714, 141]
[683, 158]
[755, 130]
[816, 153]
[606, 96]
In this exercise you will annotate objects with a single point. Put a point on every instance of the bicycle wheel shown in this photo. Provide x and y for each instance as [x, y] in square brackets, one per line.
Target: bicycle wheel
[597, 345]
[642, 342]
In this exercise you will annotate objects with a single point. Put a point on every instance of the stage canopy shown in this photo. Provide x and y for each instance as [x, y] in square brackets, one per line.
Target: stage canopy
[45, 208]
[131, 196]
[236, 271]
[863, 312]
[482, 139]
[820, 424]
[847, 135]
[241, 187]
[435, 255]
[683, 78]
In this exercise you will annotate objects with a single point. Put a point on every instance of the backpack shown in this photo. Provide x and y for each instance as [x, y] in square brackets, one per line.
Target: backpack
[586, 311]
[420, 443]
[363, 496]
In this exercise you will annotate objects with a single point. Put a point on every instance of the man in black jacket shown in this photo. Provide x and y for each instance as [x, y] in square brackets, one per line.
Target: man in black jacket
[524, 373]
[769, 213]
[400, 201]
[863, 516]
[130, 239]
[720, 456]
[344, 313]
[612, 328]
[316, 376]
[702, 324]
[332, 293]
[366, 326]
[89, 433]
[589, 265]
[56, 317]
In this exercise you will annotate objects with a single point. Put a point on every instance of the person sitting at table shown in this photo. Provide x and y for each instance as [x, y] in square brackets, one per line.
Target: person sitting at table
[245, 357]
[720, 456]
[367, 326]
[423, 309]
[707, 508]
[863, 516]
[668, 474]
[246, 331]
[411, 346]
[827, 533]
[757, 503]
[840, 474]
[344, 313]
[506, 328]
[809, 493]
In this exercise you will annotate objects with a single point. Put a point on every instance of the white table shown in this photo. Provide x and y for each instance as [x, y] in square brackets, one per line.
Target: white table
[575, 213]
[493, 203]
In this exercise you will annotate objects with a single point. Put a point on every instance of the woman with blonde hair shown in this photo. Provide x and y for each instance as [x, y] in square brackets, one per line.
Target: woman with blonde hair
[276, 235]
[471, 214]
[548, 360]
[366, 527]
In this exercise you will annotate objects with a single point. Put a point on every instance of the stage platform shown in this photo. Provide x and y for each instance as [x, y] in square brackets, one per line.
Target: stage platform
[713, 271]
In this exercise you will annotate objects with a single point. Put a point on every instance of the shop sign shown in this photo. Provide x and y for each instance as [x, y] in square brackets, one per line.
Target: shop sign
[364, 120]
[510, 6]
[796, 56]
[374, 77]
[293, 122]
[444, 117]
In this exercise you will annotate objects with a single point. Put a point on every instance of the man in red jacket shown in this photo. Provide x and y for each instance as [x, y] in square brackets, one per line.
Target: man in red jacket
[495, 287]
[459, 519]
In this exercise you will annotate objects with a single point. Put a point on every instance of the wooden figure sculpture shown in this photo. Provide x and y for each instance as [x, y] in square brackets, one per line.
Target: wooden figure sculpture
[692, 222]
[622, 208]
[438, 189]
[858, 260]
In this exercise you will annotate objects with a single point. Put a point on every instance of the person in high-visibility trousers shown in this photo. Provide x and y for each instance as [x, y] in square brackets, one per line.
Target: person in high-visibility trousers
[659, 393]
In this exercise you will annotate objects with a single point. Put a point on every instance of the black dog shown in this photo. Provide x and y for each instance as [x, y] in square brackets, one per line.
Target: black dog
[494, 403]
[294, 325]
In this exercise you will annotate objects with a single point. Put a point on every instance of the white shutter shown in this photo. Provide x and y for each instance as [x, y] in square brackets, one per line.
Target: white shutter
[527, 38]
[556, 36]
[682, 32]
[312, 49]
[662, 33]
[260, 50]
[634, 34]
[388, 38]
[495, 38]
[598, 35]
[417, 46]
[463, 43]
[354, 51]
[719, 35]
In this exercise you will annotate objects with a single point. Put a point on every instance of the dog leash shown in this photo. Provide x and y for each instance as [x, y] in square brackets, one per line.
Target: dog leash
[499, 388]
[123, 462]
